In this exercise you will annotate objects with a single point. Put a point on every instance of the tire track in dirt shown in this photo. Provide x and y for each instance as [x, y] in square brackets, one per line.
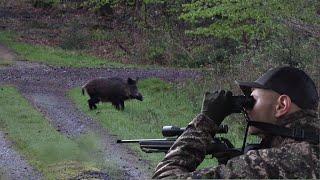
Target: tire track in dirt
[45, 88]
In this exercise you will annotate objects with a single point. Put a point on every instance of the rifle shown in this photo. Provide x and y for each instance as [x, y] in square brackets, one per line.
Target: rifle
[220, 148]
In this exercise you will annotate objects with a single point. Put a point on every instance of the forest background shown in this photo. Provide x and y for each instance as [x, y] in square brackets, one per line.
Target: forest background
[184, 33]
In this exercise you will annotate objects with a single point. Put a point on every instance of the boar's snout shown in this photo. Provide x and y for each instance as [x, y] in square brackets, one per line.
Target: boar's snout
[139, 97]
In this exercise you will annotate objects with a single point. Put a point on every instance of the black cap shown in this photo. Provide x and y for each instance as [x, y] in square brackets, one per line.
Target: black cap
[290, 81]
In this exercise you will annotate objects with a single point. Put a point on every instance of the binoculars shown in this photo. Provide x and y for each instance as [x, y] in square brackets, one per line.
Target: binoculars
[239, 103]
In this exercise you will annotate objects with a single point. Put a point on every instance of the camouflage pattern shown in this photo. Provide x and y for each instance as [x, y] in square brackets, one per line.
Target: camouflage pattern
[286, 158]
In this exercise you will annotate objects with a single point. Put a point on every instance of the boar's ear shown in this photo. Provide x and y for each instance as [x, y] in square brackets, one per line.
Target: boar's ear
[131, 81]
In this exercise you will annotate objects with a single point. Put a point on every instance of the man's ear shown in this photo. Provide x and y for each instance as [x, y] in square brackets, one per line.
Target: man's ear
[283, 106]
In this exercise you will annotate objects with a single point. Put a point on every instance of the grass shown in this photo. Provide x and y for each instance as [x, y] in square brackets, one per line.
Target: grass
[54, 56]
[56, 156]
[4, 62]
[164, 104]
[59, 57]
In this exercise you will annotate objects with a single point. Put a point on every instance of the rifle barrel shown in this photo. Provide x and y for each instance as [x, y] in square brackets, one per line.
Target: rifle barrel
[143, 140]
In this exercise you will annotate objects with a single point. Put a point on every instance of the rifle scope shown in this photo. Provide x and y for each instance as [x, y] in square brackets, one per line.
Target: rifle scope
[170, 131]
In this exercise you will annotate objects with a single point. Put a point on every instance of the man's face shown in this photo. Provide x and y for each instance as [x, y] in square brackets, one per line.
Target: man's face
[264, 108]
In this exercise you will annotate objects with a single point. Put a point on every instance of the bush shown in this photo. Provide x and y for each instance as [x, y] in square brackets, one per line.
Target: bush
[294, 49]
[74, 38]
[45, 4]
[181, 59]
[100, 35]
[156, 54]
[208, 55]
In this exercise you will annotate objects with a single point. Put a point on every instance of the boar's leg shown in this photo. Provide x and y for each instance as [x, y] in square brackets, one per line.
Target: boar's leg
[121, 103]
[118, 104]
[92, 102]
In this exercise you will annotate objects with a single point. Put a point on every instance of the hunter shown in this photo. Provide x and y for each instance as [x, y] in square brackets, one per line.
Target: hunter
[284, 116]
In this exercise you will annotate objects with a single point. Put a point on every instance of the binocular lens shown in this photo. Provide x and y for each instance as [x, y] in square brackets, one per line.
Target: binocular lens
[240, 102]
[249, 102]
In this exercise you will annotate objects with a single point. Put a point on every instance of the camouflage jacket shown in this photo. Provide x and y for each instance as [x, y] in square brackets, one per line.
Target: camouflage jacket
[286, 158]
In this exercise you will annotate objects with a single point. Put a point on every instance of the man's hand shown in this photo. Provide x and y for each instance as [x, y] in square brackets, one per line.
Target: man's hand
[217, 105]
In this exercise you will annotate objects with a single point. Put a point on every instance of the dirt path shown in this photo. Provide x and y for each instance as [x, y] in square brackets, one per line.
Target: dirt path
[12, 165]
[45, 87]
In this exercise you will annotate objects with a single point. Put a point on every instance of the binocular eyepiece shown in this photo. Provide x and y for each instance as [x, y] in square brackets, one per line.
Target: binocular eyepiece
[242, 102]
[170, 131]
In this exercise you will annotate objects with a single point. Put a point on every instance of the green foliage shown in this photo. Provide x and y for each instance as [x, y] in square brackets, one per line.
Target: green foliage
[181, 59]
[97, 3]
[153, 50]
[101, 7]
[45, 4]
[249, 25]
[228, 19]
[293, 49]
[101, 35]
[166, 7]
[154, 1]
[74, 38]
[153, 31]
[244, 21]
[162, 48]
[156, 54]
[304, 10]
[207, 55]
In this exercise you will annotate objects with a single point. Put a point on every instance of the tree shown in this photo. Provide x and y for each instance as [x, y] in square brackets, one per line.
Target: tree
[245, 20]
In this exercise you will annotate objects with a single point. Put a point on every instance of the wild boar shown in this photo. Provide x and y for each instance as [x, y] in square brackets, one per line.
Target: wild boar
[114, 90]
